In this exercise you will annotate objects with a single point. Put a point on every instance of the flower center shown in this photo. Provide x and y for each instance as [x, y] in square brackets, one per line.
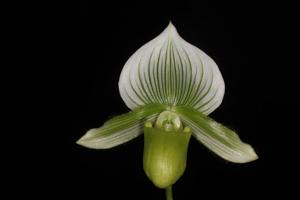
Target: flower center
[169, 121]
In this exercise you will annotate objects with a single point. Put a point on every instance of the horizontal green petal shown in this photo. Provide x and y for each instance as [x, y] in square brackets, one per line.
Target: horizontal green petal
[120, 129]
[218, 138]
[168, 70]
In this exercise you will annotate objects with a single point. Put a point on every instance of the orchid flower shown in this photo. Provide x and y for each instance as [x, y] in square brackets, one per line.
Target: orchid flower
[171, 87]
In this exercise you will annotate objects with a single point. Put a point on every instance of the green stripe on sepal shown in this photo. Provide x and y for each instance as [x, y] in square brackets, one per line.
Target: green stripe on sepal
[218, 138]
[165, 154]
[120, 129]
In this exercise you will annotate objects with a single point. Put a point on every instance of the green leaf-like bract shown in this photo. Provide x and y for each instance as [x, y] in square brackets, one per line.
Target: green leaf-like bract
[218, 138]
[120, 129]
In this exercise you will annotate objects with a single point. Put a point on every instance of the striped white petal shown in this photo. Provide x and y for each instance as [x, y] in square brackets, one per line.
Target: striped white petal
[219, 139]
[120, 129]
[170, 71]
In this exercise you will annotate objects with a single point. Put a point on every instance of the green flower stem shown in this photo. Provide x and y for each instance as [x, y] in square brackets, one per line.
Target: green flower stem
[169, 193]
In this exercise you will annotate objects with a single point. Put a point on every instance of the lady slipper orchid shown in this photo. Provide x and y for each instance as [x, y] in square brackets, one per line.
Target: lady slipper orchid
[170, 86]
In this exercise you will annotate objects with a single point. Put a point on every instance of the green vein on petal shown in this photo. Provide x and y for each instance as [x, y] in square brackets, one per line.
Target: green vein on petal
[218, 138]
[120, 129]
[168, 70]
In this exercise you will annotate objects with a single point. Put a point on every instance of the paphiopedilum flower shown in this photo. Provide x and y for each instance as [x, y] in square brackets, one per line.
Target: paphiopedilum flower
[170, 86]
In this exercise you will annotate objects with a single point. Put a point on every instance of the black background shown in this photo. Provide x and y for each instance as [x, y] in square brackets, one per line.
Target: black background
[79, 52]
